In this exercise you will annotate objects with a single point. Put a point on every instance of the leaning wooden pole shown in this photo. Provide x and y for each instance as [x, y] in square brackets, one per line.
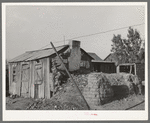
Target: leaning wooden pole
[70, 76]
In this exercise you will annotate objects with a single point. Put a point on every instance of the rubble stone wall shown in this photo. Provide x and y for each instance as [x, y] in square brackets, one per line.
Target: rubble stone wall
[98, 91]
[103, 88]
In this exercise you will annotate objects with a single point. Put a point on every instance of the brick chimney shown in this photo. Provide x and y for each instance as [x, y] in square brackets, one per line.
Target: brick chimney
[75, 55]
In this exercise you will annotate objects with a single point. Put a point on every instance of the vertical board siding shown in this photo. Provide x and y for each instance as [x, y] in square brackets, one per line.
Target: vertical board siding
[19, 79]
[32, 79]
[41, 86]
[46, 78]
[12, 86]
[48, 83]
[10, 78]
[44, 81]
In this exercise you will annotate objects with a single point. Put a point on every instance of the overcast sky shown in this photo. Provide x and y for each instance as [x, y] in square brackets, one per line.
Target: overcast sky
[32, 27]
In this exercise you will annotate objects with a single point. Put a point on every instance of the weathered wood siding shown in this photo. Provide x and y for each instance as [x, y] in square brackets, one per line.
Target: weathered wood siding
[104, 67]
[32, 79]
[19, 78]
[85, 61]
[10, 77]
[46, 78]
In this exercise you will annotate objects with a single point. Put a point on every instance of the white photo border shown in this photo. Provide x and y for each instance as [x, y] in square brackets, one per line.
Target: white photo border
[49, 115]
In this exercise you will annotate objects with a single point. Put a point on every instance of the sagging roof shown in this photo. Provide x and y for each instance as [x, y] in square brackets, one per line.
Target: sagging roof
[37, 54]
[94, 56]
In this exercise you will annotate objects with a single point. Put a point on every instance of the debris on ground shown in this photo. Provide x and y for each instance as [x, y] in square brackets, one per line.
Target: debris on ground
[68, 98]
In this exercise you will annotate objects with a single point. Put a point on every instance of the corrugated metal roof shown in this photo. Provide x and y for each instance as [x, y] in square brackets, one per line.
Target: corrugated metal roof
[37, 54]
[94, 56]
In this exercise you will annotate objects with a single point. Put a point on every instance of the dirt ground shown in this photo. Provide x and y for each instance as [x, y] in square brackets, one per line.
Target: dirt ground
[68, 98]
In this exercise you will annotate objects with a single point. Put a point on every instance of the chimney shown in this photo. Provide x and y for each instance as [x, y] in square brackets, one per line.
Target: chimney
[75, 55]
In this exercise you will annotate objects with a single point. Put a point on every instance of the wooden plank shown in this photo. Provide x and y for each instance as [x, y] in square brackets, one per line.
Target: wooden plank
[19, 79]
[12, 84]
[41, 86]
[47, 80]
[10, 73]
[32, 79]
[24, 89]
[44, 77]
[15, 80]
[36, 91]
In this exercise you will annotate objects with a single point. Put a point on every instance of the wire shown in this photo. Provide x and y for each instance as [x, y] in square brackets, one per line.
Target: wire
[95, 34]
[107, 31]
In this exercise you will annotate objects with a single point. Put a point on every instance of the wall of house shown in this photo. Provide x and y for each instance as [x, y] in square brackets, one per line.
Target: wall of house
[40, 79]
[85, 62]
[14, 78]
[32, 79]
[104, 67]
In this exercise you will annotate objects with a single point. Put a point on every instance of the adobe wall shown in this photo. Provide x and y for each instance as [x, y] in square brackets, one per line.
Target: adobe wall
[98, 91]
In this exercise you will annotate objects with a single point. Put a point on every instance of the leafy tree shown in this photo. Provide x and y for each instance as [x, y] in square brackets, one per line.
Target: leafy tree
[128, 50]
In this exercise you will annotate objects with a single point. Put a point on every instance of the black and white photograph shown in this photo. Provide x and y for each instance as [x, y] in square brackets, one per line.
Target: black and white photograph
[75, 61]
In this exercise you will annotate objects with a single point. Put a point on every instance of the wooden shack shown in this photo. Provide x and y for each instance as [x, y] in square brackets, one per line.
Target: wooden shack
[30, 74]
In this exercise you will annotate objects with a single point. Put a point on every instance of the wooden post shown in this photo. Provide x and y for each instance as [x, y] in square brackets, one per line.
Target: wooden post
[130, 69]
[71, 77]
[135, 69]
[118, 69]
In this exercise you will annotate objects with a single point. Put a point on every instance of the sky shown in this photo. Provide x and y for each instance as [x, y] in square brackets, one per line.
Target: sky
[34, 27]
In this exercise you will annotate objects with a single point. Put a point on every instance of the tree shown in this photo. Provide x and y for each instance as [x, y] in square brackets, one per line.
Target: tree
[128, 50]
